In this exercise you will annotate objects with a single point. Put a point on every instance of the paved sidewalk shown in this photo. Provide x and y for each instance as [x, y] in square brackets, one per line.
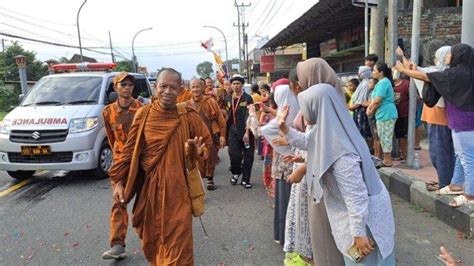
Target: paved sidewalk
[410, 185]
[426, 173]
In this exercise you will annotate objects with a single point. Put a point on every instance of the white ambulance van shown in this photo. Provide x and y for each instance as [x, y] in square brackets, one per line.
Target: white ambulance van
[58, 124]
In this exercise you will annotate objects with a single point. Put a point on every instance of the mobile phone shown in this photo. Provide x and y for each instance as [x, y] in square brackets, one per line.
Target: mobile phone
[400, 58]
[355, 254]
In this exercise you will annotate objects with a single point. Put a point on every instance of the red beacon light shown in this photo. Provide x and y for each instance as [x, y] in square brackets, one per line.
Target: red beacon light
[84, 66]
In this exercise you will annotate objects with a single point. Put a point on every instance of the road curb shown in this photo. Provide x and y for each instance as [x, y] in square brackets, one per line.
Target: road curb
[414, 191]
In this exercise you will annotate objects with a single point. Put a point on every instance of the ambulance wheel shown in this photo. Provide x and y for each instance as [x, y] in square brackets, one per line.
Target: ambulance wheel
[20, 175]
[104, 162]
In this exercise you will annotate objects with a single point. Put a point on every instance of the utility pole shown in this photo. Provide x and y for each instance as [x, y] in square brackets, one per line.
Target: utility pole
[246, 49]
[392, 31]
[377, 29]
[111, 48]
[467, 31]
[415, 43]
[240, 11]
[4, 61]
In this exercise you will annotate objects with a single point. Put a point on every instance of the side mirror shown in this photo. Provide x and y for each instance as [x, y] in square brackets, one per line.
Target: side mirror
[20, 97]
[113, 96]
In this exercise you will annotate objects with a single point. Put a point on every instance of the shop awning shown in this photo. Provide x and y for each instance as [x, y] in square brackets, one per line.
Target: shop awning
[320, 23]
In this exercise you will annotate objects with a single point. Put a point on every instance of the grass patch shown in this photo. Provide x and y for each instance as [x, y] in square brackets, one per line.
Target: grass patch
[2, 115]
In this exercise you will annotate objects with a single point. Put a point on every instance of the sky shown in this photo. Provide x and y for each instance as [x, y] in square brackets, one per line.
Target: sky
[174, 40]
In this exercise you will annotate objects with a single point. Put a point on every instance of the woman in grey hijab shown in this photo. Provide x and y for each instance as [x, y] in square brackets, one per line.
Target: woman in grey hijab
[343, 175]
[357, 203]
[309, 73]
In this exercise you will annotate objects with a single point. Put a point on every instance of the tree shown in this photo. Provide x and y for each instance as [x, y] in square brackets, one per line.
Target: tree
[35, 69]
[204, 69]
[63, 60]
[124, 66]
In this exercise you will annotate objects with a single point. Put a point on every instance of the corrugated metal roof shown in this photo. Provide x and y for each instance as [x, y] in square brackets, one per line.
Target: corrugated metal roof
[319, 23]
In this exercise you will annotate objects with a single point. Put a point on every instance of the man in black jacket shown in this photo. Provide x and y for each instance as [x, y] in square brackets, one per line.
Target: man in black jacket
[241, 140]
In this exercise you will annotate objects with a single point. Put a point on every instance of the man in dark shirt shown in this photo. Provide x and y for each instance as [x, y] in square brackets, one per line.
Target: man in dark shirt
[402, 98]
[240, 139]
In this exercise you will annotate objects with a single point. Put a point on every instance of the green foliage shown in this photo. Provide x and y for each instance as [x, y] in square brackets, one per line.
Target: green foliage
[204, 69]
[2, 115]
[35, 69]
[124, 66]
[7, 98]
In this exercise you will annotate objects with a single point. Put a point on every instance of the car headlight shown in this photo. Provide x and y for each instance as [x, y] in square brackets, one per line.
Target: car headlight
[5, 126]
[83, 124]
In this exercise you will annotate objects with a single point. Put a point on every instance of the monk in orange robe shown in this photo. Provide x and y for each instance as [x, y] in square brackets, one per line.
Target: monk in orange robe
[212, 116]
[184, 95]
[153, 170]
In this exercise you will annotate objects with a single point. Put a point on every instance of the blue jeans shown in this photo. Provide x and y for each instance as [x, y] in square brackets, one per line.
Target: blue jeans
[464, 168]
[442, 152]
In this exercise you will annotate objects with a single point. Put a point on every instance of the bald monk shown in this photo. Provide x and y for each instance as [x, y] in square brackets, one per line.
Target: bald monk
[212, 116]
[184, 95]
[154, 171]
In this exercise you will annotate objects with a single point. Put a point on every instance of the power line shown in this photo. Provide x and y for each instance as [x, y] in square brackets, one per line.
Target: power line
[43, 27]
[266, 17]
[276, 13]
[259, 18]
[37, 19]
[51, 43]
[268, 24]
[34, 33]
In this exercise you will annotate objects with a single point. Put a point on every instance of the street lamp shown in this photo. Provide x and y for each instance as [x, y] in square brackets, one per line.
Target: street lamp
[225, 40]
[78, 30]
[133, 48]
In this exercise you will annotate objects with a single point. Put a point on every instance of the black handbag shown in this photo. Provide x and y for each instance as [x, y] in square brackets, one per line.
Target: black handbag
[430, 95]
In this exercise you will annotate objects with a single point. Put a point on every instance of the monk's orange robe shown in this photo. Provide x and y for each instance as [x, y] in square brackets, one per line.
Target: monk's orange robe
[212, 116]
[162, 213]
[184, 96]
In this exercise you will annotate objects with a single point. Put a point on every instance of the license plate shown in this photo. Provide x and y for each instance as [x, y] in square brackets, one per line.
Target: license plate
[35, 150]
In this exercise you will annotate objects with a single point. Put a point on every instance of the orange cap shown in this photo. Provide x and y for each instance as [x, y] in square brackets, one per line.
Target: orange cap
[121, 76]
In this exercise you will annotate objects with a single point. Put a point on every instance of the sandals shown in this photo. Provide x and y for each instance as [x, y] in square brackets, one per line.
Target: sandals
[234, 179]
[432, 186]
[246, 184]
[211, 185]
[459, 201]
[380, 165]
[447, 191]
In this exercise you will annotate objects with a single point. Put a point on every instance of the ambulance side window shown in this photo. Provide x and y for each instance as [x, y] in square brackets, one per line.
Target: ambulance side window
[141, 89]
[109, 90]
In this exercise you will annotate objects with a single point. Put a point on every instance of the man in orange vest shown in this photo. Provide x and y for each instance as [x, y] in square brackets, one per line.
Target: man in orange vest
[118, 118]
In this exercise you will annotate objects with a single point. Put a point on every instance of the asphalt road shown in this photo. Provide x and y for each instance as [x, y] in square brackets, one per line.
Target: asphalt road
[62, 219]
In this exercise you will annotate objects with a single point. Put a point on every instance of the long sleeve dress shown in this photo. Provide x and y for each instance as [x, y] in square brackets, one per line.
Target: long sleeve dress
[350, 210]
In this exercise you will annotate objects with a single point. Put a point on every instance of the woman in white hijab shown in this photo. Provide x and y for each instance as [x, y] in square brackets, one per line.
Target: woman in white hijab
[340, 172]
[280, 169]
[361, 95]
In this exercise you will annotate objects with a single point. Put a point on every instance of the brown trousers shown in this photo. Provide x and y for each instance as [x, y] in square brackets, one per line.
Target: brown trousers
[325, 250]
[118, 224]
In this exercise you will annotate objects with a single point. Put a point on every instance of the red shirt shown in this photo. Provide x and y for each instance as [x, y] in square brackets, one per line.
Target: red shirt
[402, 104]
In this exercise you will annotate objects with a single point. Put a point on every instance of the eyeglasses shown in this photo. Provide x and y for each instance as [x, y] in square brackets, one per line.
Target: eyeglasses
[126, 84]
